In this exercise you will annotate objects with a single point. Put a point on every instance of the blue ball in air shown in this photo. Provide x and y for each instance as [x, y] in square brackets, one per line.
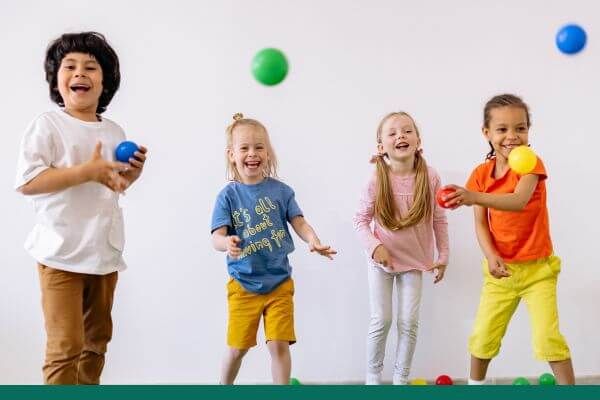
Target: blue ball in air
[571, 39]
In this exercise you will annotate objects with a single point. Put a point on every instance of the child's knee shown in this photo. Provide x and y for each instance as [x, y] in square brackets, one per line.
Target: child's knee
[551, 347]
[66, 346]
[408, 327]
[380, 323]
[237, 354]
[278, 348]
[484, 346]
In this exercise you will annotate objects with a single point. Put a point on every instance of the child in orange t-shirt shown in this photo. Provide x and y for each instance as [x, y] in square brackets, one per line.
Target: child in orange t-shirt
[511, 221]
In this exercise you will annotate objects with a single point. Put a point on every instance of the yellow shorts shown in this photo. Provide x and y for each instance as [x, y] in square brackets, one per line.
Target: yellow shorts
[246, 309]
[535, 283]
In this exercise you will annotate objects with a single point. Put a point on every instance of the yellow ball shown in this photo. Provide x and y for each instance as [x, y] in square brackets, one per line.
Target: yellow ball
[418, 381]
[522, 160]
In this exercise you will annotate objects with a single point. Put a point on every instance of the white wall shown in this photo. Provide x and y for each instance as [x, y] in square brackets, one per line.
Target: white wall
[185, 68]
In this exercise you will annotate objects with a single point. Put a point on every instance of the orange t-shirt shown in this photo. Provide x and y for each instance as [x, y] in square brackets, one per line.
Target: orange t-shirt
[517, 235]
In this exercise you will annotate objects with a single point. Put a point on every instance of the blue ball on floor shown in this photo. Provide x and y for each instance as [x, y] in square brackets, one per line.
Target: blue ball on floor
[125, 150]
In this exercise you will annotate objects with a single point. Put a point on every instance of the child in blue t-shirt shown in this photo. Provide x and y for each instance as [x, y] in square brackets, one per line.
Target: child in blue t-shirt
[250, 223]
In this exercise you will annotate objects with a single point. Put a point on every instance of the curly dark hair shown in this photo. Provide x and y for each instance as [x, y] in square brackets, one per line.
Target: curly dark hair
[94, 44]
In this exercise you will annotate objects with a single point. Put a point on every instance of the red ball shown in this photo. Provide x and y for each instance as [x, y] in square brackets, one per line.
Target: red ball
[443, 192]
[444, 380]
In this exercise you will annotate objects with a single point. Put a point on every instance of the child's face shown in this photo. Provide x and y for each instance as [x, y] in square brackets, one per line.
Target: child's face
[249, 152]
[399, 138]
[507, 129]
[80, 82]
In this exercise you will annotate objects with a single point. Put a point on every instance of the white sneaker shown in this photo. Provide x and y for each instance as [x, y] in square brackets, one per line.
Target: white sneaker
[474, 382]
[399, 380]
[373, 379]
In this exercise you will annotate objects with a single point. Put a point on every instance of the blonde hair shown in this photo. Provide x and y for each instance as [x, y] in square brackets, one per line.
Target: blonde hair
[386, 211]
[270, 169]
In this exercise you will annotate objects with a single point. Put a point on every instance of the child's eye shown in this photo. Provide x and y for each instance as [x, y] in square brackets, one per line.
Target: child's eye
[70, 67]
[407, 131]
[91, 68]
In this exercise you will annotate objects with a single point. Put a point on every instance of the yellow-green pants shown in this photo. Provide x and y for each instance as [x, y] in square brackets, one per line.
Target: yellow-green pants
[535, 283]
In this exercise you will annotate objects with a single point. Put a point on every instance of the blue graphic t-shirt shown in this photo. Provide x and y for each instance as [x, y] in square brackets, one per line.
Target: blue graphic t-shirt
[259, 215]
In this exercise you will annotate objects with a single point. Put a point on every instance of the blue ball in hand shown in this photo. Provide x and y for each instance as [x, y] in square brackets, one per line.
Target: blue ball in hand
[125, 151]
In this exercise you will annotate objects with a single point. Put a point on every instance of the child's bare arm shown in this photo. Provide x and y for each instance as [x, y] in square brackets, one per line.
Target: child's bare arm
[515, 201]
[496, 264]
[96, 169]
[54, 180]
[307, 233]
[222, 242]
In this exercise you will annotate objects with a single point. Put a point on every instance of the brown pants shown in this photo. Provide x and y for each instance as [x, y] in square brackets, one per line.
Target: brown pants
[77, 311]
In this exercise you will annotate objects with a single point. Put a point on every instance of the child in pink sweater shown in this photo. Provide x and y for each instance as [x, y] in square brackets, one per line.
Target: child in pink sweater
[407, 223]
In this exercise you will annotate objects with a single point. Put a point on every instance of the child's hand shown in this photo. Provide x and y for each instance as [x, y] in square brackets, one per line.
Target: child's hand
[325, 251]
[137, 165]
[497, 267]
[382, 256]
[233, 249]
[439, 270]
[460, 197]
[105, 172]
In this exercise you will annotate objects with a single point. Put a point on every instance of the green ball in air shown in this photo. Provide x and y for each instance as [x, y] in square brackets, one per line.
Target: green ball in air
[269, 66]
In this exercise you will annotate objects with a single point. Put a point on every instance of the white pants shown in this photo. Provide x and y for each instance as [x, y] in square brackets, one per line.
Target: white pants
[408, 290]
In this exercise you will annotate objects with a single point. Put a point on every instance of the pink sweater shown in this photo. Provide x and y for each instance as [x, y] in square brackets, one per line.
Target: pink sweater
[412, 247]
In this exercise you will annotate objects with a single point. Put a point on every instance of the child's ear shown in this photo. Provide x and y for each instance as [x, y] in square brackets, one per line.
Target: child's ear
[379, 148]
[486, 133]
[230, 156]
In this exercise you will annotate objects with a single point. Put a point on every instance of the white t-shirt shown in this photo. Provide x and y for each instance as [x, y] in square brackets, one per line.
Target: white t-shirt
[79, 229]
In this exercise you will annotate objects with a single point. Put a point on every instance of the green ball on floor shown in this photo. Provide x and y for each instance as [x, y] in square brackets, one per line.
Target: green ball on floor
[294, 381]
[547, 379]
[521, 381]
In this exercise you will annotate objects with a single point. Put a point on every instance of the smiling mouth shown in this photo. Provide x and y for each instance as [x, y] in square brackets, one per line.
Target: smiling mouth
[79, 88]
[402, 146]
[252, 164]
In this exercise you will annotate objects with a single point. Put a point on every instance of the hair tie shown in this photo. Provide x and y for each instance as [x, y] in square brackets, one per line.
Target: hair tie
[238, 116]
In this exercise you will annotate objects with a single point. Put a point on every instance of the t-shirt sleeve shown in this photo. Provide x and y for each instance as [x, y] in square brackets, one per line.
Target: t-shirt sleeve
[540, 170]
[293, 210]
[36, 153]
[475, 183]
[221, 213]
